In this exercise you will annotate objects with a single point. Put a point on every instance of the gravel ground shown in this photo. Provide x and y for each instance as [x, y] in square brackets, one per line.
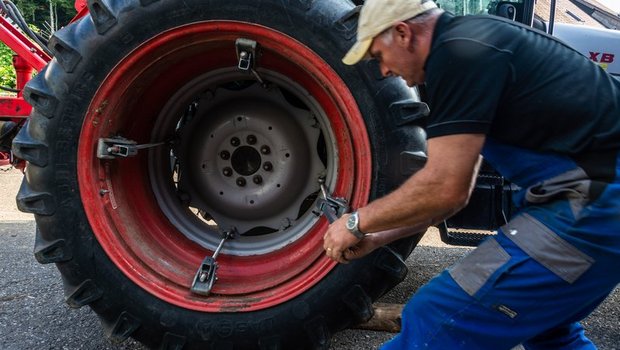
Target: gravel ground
[33, 314]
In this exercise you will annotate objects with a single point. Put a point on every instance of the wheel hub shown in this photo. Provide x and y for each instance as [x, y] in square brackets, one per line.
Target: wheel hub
[246, 161]
[249, 157]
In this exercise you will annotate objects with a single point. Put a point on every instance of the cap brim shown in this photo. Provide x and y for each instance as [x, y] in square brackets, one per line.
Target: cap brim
[357, 52]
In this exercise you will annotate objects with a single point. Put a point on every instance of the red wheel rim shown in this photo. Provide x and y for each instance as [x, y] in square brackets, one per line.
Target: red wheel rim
[118, 198]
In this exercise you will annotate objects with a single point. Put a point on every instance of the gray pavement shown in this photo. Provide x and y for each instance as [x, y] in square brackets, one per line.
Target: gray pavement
[33, 314]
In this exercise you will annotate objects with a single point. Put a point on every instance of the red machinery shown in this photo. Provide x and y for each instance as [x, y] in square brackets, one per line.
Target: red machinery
[29, 56]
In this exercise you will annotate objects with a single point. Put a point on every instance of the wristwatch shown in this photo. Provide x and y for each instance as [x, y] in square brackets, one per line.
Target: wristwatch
[353, 222]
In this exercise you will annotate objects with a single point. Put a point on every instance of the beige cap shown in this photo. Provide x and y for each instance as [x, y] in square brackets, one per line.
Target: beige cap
[379, 15]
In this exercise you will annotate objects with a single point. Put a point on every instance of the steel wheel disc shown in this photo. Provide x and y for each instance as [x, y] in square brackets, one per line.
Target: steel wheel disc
[253, 166]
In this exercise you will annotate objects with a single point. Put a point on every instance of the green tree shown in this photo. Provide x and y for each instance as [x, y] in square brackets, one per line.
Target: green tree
[43, 17]
[7, 73]
[46, 15]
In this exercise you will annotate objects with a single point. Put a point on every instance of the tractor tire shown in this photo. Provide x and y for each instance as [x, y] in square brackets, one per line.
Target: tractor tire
[224, 148]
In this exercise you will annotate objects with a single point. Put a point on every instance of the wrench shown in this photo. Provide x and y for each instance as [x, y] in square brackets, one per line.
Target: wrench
[331, 207]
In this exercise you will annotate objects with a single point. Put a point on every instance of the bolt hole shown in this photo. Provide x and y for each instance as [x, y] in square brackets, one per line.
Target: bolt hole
[221, 193]
[225, 155]
[270, 128]
[278, 185]
[239, 119]
[251, 202]
[204, 166]
[287, 155]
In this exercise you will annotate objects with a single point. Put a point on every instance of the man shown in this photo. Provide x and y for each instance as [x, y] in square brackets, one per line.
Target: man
[547, 119]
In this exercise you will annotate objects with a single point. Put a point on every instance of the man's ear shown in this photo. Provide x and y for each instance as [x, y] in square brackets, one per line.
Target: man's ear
[402, 34]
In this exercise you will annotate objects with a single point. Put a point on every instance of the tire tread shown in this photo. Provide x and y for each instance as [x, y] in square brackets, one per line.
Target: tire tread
[359, 303]
[173, 342]
[50, 252]
[102, 15]
[84, 294]
[318, 332]
[30, 149]
[35, 202]
[40, 96]
[64, 51]
[346, 26]
[124, 326]
[392, 264]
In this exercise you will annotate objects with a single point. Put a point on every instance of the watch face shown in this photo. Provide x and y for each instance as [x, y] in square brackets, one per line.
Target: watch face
[351, 221]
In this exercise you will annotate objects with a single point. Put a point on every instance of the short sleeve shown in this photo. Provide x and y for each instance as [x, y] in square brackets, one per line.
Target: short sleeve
[465, 80]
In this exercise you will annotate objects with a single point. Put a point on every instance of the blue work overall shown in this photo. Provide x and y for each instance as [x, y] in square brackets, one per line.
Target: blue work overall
[549, 267]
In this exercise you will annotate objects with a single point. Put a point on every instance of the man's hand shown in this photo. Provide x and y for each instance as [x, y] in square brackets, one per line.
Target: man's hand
[362, 248]
[338, 239]
[378, 239]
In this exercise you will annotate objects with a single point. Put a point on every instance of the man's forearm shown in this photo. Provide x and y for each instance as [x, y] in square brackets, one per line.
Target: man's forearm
[388, 236]
[434, 193]
[420, 202]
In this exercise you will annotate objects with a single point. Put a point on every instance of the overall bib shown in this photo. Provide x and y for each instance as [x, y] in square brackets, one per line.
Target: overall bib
[548, 268]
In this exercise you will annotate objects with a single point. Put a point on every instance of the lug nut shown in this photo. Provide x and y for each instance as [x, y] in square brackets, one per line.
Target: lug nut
[225, 155]
[227, 171]
[251, 139]
[240, 182]
[235, 141]
[257, 179]
[267, 166]
[264, 149]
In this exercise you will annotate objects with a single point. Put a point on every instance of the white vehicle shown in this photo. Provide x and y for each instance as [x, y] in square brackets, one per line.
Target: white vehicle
[601, 45]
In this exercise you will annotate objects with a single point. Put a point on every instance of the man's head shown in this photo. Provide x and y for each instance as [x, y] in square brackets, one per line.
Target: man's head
[388, 31]
[378, 15]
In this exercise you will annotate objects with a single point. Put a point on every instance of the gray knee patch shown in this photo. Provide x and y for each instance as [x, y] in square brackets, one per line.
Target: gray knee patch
[547, 248]
[473, 271]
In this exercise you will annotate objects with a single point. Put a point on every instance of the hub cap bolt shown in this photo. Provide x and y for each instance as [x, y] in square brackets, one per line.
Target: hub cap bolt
[257, 179]
[265, 149]
[267, 166]
[225, 155]
[251, 139]
[227, 171]
[235, 142]
[240, 182]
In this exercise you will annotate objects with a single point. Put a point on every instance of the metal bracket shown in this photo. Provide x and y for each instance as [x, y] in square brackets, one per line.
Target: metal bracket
[207, 272]
[246, 53]
[111, 148]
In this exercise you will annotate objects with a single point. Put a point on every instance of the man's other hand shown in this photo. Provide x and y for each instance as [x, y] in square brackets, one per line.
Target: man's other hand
[338, 239]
